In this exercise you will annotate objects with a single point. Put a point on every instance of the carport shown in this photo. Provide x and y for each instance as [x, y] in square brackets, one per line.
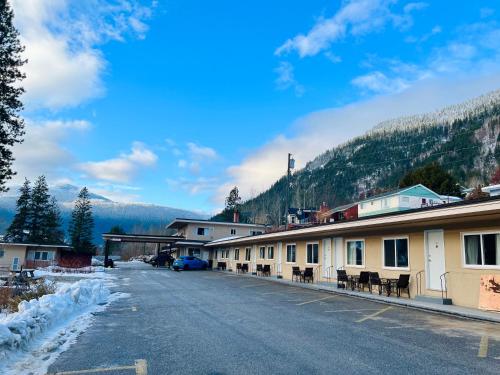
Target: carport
[139, 238]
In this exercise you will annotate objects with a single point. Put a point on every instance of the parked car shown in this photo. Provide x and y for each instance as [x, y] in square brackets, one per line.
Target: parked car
[162, 260]
[190, 263]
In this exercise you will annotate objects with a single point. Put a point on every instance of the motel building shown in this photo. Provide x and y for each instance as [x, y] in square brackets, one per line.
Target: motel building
[450, 248]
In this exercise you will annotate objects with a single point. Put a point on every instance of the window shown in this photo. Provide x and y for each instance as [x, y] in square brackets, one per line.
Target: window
[248, 254]
[2, 253]
[312, 253]
[270, 252]
[236, 254]
[386, 202]
[44, 255]
[362, 205]
[290, 253]
[233, 231]
[202, 231]
[262, 252]
[194, 252]
[405, 199]
[482, 249]
[396, 253]
[255, 232]
[355, 253]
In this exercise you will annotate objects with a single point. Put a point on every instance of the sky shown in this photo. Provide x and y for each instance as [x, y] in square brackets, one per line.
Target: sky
[175, 102]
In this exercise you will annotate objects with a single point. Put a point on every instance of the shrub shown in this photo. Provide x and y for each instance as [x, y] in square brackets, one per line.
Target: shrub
[35, 291]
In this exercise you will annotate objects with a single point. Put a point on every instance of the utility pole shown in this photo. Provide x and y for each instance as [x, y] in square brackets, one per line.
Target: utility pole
[290, 166]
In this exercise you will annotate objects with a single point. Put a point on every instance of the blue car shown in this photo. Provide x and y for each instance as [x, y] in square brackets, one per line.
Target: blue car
[190, 263]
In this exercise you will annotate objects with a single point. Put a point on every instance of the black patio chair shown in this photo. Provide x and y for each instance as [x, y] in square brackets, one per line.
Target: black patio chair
[308, 275]
[403, 283]
[296, 274]
[342, 278]
[244, 267]
[375, 280]
[363, 280]
[266, 270]
[238, 267]
[259, 269]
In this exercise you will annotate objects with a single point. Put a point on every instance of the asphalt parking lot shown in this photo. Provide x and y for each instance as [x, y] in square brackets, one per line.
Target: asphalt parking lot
[215, 323]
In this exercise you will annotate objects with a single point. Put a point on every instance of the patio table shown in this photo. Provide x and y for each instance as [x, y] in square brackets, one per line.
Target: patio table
[387, 282]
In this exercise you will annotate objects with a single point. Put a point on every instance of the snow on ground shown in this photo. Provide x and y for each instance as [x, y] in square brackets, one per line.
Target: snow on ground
[32, 338]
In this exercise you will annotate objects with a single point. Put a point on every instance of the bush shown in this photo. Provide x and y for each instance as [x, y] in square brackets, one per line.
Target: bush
[10, 302]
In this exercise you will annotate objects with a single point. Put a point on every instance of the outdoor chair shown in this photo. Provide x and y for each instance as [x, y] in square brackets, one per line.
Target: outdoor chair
[403, 283]
[244, 267]
[342, 278]
[375, 280]
[238, 267]
[308, 275]
[363, 280]
[259, 269]
[296, 274]
[266, 270]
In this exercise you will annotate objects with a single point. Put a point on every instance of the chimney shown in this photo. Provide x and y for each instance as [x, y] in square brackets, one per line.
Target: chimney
[236, 217]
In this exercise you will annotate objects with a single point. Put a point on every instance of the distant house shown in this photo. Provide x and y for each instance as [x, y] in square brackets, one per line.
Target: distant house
[302, 215]
[408, 198]
[21, 255]
[346, 212]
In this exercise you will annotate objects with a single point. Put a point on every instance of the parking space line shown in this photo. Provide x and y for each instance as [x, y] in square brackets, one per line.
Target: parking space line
[141, 367]
[315, 300]
[373, 315]
[483, 347]
[354, 310]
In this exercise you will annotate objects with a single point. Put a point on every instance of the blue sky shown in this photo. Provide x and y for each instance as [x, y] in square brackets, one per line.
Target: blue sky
[174, 102]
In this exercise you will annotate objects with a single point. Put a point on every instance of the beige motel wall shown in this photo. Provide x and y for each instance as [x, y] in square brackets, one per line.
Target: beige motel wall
[463, 282]
[9, 253]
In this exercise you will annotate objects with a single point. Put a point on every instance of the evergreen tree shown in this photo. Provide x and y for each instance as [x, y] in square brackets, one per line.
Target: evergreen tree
[434, 177]
[82, 224]
[11, 124]
[52, 225]
[495, 178]
[39, 211]
[18, 229]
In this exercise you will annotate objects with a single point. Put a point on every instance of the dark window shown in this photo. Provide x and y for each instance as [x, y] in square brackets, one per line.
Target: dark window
[396, 252]
[262, 252]
[290, 253]
[312, 253]
[248, 254]
[236, 254]
[270, 252]
[491, 250]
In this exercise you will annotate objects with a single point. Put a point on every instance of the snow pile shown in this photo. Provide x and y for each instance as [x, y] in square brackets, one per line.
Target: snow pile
[86, 272]
[35, 316]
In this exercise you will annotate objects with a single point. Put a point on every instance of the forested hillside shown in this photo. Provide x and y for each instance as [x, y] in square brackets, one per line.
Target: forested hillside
[465, 142]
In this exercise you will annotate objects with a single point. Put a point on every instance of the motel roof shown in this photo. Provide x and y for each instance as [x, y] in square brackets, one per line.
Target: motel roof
[482, 210]
[181, 222]
[4, 243]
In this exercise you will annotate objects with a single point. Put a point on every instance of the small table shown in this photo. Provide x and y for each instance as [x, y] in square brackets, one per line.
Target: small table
[388, 285]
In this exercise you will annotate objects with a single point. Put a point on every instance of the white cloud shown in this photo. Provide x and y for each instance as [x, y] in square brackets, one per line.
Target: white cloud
[194, 185]
[320, 131]
[378, 82]
[286, 78]
[123, 168]
[355, 17]
[182, 163]
[201, 152]
[62, 38]
[411, 7]
[42, 152]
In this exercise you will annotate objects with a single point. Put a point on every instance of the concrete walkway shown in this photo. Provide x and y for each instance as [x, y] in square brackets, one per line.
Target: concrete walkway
[463, 312]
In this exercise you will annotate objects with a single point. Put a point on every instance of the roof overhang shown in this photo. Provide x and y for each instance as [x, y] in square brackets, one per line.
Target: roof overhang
[20, 244]
[180, 223]
[142, 238]
[472, 213]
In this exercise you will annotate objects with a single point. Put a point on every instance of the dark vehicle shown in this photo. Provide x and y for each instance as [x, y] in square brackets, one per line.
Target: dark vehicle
[190, 263]
[162, 260]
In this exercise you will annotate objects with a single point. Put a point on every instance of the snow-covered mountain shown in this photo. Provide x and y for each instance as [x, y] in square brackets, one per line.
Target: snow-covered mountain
[131, 216]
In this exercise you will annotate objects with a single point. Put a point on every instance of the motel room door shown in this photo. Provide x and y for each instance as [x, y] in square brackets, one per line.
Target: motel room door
[338, 249]
[327, 257]
[434, 253]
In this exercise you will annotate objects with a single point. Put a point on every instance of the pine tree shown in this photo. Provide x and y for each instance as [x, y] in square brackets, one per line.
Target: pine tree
[52, 225]
[82, 224]
[39, 210]
[11, 124]
[495, 178]
[18, 229]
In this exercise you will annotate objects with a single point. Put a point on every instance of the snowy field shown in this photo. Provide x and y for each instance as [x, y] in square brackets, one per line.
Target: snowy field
[32, 338]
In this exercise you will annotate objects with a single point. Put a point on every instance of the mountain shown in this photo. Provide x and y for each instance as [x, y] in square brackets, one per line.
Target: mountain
[133, 217]
[464, 139]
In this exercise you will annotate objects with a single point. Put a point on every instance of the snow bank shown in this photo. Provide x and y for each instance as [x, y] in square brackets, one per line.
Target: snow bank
[86, 272]
[33, 317]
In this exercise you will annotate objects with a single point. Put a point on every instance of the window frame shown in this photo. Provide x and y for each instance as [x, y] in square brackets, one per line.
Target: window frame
[462, 245]
[248, 251]
[2, 253]
[206, 231]
[237, 253]
[262, 252]
[233, 231]
[363, 254]
[286, 249]
[394, 238]
[312, 243]
[267, 249]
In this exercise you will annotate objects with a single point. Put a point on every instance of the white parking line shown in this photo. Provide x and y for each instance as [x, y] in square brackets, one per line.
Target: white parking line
[255, 285]
[373, 315]
[140, 367]
[315, 300]
[483, 347]
[355, 310]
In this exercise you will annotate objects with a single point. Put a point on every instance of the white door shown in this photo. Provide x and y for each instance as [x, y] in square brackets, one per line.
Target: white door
[435, 266]
[327, 257]
[280, 248]
[15, 264]
[339, 253]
